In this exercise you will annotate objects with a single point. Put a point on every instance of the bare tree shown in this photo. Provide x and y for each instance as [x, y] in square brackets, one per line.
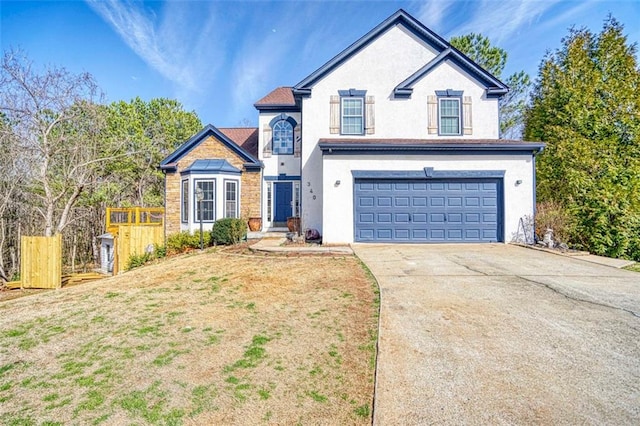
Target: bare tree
[56, 120]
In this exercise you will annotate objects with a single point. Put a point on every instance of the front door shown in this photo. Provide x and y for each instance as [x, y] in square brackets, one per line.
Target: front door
[284, 193]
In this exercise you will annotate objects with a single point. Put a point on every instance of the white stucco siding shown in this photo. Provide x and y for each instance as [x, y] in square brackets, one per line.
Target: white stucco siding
[378, 68]
[276, 165]
[338, 206]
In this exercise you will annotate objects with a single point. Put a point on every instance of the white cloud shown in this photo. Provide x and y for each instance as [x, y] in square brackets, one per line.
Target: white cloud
[433, 13]
[501, 20]
[166, 43]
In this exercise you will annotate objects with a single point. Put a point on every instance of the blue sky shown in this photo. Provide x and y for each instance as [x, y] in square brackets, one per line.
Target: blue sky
[219, 57]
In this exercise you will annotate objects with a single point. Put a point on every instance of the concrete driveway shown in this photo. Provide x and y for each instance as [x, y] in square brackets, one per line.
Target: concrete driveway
[500, 334]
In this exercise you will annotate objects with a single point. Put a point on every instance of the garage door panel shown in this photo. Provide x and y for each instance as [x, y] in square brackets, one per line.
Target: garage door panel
[405, 210]
[385, 201]
[402, 218]
[419, 201]
[436, 218]
[436, 201]
[366, 201]
[401, 201]
[366, 218]
[419, 218]
[402, 234]
[454, 201]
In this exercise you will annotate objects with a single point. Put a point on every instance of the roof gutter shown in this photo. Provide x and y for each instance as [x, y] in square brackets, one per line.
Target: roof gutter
[330, 148]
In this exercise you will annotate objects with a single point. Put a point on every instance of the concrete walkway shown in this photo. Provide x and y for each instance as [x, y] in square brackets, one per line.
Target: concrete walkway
[275, 245]
[499, 334]
[586, 256]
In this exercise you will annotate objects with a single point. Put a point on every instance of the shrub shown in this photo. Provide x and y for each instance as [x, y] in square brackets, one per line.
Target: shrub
[551, 215]
[159, 251]
[137, 260]
[183, 241]
[228, 231]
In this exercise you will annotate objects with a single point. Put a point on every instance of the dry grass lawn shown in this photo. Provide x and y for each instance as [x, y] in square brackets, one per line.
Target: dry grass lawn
[223, 337]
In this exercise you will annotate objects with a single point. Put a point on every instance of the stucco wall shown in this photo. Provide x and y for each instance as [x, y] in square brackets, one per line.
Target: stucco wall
[378, 69]
[338, 204]
[276, 164]
[210, 148]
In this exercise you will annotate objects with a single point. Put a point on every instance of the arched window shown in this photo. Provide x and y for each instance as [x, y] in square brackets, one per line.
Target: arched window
[282, 137]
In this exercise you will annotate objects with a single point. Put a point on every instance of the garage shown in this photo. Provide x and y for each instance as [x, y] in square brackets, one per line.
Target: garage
[428, 210]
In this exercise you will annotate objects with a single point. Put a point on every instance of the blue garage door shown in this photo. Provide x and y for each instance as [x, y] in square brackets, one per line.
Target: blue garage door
[452, 210]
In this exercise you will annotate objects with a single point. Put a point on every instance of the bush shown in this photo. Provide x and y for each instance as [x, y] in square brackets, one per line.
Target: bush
[159, 251]
[551, 215]
[183, 241]
[137, 260]
[228, 231]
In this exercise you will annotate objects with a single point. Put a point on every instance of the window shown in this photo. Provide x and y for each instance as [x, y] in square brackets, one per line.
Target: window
[269, 197]
[208, 201]
[449, 112]
[449, 116]
[352, 116]
[231, 199]
[184, 214]
[296, 205]
[283, 137]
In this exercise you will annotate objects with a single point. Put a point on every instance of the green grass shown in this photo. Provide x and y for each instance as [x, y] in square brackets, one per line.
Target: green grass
[635, 267]
[252, 355]
[167, 357]
[316, 396]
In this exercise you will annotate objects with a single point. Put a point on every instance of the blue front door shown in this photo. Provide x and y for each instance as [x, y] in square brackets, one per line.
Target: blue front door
[283, 201]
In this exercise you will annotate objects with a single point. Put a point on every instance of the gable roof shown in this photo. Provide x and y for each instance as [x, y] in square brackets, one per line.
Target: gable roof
[245, 137]
[447, 52]
[279, 99]
[169, 163]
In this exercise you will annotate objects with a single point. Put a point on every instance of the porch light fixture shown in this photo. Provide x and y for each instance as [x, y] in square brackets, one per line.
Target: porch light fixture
[199, 198]
[518, 182]
[337, 182]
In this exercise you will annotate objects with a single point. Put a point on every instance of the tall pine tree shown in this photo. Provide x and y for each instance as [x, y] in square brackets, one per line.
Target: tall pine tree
[586, 108]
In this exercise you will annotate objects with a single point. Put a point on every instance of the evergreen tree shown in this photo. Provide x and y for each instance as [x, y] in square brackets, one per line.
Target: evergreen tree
[493, 59]
[586, 108]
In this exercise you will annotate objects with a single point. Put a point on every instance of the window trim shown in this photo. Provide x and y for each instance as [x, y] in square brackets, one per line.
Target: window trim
[450, 95]
[278, 118]
[184, 201]
[275, 149]
[352, 94]
[195, 201]
[237, 195]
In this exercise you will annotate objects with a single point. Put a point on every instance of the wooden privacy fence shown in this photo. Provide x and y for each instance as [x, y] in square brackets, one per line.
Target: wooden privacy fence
[134, 240]
[41, 262]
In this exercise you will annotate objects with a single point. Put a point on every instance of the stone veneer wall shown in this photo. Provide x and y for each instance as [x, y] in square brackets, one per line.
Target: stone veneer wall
[211, 148]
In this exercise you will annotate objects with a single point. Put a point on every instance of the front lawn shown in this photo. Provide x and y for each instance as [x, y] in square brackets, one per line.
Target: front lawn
[216, 338]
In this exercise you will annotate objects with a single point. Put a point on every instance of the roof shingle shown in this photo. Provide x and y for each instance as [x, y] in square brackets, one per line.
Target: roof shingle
[245, 137]
[282, 96]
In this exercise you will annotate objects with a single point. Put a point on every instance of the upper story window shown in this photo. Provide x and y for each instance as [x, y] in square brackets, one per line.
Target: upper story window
[449, 112]
[282, 137]
[279, 136]
[352, 112]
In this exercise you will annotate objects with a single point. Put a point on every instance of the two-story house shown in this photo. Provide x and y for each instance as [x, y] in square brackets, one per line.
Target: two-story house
[395, 139]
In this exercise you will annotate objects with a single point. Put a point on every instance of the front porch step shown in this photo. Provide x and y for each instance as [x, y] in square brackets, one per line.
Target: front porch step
[267, 234]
